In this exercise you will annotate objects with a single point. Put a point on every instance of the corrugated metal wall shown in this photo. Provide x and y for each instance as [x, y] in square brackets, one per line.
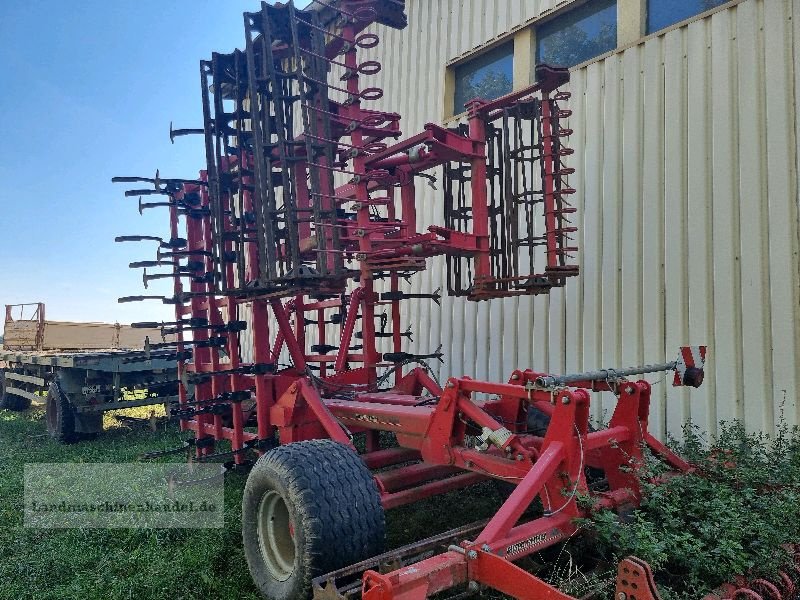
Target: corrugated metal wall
[687, 162]
[688, 207]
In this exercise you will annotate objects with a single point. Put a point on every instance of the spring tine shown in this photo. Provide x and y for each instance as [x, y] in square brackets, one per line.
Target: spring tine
[173, 133]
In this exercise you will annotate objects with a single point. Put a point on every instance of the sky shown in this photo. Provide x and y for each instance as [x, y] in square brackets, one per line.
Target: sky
[87, 93]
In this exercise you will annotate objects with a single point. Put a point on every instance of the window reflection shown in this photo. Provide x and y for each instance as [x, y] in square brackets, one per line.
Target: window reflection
[487, 76]
[663, 13]
[578, 35]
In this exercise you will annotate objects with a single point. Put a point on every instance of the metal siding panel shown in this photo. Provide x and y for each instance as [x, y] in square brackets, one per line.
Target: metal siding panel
[757, 395]
[700, 315]
[555, 326]
[648, 122]
[574, 291]
[524, 323]
[653, 222]
[593, 223]
[726, 354]
[781, 46]
[452, 28]
[609, 326]
[631, 228]
[675, 241]
[539, 352]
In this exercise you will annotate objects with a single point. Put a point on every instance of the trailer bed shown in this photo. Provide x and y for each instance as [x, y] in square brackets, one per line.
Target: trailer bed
[115, 361]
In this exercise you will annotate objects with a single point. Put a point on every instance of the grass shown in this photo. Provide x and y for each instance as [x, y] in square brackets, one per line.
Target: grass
[154, 563]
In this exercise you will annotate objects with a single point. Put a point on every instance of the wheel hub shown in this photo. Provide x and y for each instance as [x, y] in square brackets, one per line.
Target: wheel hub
[276, 535]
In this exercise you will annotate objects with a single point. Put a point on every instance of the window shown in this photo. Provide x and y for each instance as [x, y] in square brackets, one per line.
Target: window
[487, 76]
[578, 35]
[663, 13]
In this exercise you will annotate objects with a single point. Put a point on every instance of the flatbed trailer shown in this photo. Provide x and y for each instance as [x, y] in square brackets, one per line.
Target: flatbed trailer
[79, 385]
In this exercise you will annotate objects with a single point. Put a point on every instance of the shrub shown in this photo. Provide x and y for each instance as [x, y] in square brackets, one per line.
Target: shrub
[731, 517]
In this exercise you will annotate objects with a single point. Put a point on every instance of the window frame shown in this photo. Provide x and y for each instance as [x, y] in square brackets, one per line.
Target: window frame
[631, 31]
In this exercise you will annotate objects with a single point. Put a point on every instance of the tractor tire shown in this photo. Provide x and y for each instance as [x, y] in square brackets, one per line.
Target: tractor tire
[308, 508]
[59, 416]
[11, 401]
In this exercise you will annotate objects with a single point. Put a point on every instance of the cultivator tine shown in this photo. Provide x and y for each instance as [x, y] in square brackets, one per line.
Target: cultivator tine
[182, 254]
[253, 369]
[188, 444]
[179, 272]
[173, 133]
[180, 298]
[435, 296]
[146, 192]
[323, 348]
[177, 356]
[209, 343]
[126, 299]
[173, 243]
[143, 206]
[193, 322]
[230, 327]
[190, 267]
[398, 357]
[149, 263]
[408, 334]
[232, 397]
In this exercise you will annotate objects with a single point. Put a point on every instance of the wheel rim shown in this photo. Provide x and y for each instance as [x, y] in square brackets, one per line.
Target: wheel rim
[276, 535]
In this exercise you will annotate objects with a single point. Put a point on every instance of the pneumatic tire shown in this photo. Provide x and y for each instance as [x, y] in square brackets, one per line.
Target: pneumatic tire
[59, 415]
[308, 508]
[11, 401]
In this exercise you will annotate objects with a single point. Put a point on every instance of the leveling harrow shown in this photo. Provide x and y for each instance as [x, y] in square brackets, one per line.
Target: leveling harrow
[300, 232]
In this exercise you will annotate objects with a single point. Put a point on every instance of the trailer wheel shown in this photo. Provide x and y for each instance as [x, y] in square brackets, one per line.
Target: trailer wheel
[11, 401]
[59, 415]
[308, 508]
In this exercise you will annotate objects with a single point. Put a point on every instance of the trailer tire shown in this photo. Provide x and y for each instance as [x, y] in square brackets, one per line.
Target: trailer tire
[11, 401]
[308, 508]
[59, 415]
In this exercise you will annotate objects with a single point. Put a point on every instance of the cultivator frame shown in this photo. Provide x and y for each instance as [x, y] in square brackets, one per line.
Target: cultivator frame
[307, 214]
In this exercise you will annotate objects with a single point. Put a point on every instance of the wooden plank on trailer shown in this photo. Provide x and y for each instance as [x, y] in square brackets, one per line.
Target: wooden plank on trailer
[24, 394]
[20, 334]
[25, 378]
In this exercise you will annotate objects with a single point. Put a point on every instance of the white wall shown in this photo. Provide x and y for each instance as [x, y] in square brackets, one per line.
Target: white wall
[688, 208]
[687, 162]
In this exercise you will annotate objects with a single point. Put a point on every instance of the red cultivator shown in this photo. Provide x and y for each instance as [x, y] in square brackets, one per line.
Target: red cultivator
[307, 216]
